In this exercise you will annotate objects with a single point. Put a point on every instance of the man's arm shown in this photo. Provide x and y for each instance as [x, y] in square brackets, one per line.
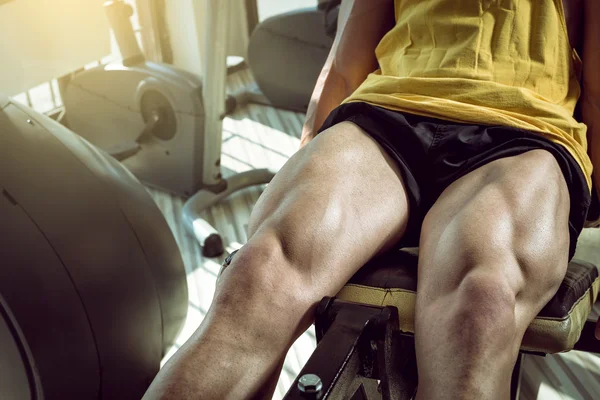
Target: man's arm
[361, 25]
[590, 100]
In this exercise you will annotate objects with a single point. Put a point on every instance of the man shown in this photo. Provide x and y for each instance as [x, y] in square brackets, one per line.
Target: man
[456, 133]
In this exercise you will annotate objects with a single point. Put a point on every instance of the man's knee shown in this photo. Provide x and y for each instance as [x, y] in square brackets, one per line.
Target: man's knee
[486, 302]
[478, 315]
[261, 272]
[500, 241]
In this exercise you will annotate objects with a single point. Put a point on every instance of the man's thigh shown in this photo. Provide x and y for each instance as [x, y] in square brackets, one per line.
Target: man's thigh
[335, 204]
[507, 221]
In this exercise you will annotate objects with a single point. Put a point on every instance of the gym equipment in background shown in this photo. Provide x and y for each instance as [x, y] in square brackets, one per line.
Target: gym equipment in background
[93, 290]
[286, 54]
[162, 123]
[214, 90]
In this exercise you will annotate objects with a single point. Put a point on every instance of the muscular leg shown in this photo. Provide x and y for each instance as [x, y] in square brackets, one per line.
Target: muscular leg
[494, 250]
[335, 204]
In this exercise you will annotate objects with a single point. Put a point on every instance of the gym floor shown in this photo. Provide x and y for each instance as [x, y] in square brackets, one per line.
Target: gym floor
[259, 136]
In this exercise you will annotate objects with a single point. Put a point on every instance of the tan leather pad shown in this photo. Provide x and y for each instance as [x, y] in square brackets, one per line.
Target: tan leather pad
[545, 335]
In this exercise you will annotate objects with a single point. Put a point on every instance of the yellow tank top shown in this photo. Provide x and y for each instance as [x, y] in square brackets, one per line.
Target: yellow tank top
[492, 62]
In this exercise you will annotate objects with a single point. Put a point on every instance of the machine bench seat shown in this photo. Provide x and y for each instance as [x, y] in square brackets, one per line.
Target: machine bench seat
[391, 280]
[365, 344]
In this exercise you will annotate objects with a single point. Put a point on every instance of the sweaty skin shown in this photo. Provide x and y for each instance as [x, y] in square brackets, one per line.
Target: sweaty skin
[574, 16]
[497, 282]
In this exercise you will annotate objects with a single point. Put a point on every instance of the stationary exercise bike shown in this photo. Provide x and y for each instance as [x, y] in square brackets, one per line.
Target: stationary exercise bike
[162, 123]
[286, 54]
[165, 124]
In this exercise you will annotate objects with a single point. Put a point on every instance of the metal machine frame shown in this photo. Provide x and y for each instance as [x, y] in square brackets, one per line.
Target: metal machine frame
[362, 355]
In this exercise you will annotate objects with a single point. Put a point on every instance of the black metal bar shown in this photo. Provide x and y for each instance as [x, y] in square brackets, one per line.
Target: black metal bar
[336, 359]
[372, 389]
[396, 365]
[365, 388]
[360, 394]
[359, 344]
[587, 341]
[515, 382]
[347, 379]
[335, 355]
[323, 309]
[399, 378]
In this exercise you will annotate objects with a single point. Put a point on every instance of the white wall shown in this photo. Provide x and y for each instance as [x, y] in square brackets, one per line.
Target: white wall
[44, 39]
[268, 8]
[181, 22]
[185, 22]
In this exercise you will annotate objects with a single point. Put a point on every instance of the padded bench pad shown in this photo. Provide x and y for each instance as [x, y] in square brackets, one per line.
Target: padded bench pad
[391, 279]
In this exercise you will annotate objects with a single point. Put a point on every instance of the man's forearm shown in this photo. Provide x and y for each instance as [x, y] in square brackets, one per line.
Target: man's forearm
[361, 25]
[331, 89]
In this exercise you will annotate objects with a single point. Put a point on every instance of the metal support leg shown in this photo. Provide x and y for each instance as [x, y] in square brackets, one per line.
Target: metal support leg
[206, 235]
[214, 78]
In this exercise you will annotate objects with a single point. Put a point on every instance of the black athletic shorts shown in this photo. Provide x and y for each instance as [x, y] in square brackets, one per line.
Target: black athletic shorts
[433, 153]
